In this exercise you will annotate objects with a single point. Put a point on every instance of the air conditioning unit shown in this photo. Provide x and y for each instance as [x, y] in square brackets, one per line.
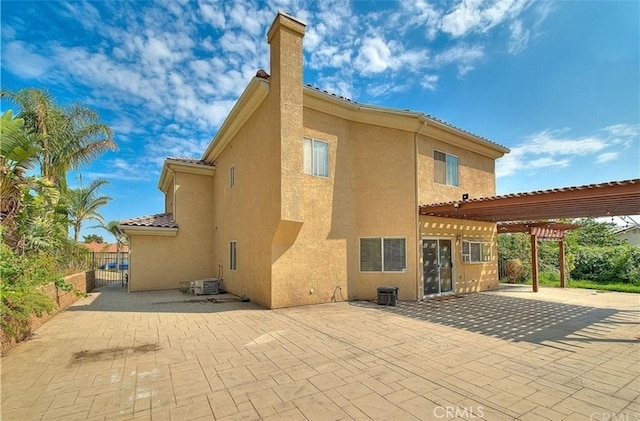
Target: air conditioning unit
[209, 286]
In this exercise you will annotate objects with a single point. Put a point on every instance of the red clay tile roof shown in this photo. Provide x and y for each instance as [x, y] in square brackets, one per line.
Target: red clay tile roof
[105, 247]
[160, 220]
[190, 161]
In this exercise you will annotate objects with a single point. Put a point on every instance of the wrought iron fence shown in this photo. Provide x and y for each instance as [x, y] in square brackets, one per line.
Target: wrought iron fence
[111, 268]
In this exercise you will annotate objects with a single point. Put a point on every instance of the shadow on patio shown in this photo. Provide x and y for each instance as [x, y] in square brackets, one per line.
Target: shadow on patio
[116, 298]
[518, 319]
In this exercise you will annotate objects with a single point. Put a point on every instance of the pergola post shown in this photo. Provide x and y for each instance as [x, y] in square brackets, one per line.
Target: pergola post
[562, 263]
[534, 262]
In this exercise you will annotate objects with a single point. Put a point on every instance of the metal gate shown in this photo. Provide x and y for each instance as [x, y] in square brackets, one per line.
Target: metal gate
[111, 268]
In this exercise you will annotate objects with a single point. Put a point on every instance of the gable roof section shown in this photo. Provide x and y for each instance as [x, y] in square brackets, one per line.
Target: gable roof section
[188, 165]
[250, 99]
[158, 224]
[314, 98]
[593, 200]
[407, 120]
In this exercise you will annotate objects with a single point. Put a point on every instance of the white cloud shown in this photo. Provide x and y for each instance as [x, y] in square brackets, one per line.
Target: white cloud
[213, 14]
[606, 157]
[554, 148]
[186, 63]
[20, 59]
[463, 55]
[479, 16]
[519, 37]
[429, 82]
[374, 56]
[624, 130]
[465, 18]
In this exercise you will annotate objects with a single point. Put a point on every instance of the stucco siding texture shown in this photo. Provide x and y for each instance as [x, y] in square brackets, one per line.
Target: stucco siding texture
[385, 203]
[248, 213]
[469, 277]
[476, 172]
[365, 195]
[168, 262]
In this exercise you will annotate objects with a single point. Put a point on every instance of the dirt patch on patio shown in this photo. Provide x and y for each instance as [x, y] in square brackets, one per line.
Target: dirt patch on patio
[109, 353]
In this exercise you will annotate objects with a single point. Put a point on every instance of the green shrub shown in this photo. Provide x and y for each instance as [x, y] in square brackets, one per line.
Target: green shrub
[549, 277]
[607, 264]
[20, 277]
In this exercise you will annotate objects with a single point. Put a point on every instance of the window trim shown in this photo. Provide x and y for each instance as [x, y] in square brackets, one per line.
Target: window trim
[312, 161]
[466, 257]
[233, 255]
[445, 168]
[382, 270]
[232, 175]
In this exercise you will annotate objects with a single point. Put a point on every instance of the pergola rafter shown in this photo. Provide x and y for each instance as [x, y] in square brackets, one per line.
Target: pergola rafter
[530, 212]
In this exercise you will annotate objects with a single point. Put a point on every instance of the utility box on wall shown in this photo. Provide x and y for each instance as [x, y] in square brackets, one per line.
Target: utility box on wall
[387, 295]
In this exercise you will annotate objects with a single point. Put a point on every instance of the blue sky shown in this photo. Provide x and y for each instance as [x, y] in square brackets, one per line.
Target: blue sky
[557, 82]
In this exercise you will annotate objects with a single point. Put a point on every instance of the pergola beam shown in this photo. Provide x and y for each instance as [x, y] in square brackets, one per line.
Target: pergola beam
[595, 200]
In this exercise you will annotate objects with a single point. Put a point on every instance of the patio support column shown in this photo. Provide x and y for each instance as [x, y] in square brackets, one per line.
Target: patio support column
[534, 262]
[562, 263]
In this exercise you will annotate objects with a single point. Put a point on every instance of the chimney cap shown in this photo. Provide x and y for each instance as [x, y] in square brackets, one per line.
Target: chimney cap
[287, 21]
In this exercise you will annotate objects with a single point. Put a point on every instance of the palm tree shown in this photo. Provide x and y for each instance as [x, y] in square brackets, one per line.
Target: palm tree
[18, 154]
[68, 137]
[83, 204]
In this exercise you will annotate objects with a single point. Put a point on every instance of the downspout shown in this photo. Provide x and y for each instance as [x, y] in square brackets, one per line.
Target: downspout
[417, 211]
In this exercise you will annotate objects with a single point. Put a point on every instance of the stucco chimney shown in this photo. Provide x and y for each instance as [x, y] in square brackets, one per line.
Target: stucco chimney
[285, 92]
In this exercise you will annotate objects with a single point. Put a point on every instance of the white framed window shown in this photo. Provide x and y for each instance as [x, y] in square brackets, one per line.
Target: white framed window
[232, 256]
[476, 251]
[232, 176]
[315, 157]
[445, 168]
[381, 254]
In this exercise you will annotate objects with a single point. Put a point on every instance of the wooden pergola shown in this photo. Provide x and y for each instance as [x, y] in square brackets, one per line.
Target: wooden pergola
[530, 212]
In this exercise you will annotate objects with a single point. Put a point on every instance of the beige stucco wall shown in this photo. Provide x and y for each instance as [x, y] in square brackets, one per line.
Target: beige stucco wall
[469, 277]
[249, 212]
[476, 171]
[371, 192]
[169, 198]
[167, 262]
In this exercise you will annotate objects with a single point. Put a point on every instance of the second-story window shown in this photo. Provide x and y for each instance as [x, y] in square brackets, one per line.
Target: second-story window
[232, 176]
[445, 168]
[315, 157]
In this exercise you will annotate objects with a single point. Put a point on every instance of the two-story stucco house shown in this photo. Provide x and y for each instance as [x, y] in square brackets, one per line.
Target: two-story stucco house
[305, 197]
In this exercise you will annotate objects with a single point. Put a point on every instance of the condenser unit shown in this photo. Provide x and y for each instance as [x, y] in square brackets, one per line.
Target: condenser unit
[210, 286]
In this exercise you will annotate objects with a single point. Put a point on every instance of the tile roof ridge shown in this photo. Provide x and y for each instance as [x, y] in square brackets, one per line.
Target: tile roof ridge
[188, 160]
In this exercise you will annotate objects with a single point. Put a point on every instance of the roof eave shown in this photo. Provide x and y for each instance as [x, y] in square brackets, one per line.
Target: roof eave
[140, 230]
[170, 166]
[397, 119]
[254, 94]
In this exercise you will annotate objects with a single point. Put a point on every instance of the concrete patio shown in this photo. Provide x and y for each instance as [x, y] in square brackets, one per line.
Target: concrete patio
[509, 354]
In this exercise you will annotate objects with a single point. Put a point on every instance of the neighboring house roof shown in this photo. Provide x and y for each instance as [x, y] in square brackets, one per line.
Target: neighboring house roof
[160, 220]
[623, 230]
[105, 247]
